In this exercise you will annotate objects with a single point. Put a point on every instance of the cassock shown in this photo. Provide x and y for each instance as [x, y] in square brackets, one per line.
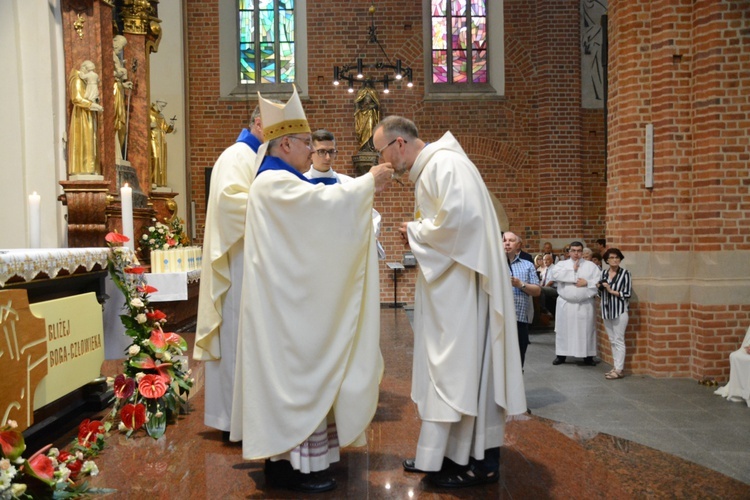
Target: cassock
[310, 319]
[467, 362]
[738, 387]
[221, 275]
[575, 326]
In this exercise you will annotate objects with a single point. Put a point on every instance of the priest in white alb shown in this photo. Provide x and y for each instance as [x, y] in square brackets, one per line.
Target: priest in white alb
[222, 271]
[309, 362]
[466, 375]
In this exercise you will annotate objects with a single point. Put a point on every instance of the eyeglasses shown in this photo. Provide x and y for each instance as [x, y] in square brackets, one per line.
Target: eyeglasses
[306, 142]
[330, 152]
[380, 152]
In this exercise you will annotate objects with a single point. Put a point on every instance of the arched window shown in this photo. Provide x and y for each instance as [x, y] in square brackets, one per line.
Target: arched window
[464, 46]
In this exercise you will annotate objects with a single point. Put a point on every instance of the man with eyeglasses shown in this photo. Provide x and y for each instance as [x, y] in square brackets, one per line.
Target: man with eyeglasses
[466, 374]
[308, 354]
[324, 154]
[575, 322]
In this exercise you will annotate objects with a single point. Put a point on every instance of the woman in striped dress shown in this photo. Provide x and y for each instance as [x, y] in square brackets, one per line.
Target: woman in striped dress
[614, 290]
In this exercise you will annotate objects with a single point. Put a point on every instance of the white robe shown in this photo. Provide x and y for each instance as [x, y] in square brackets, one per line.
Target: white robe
[463, 293]
[221, 279]
[310, 319]
[575, 325]
[738, 387]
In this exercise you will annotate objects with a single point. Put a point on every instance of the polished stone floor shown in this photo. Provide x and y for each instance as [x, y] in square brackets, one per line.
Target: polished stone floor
[586, 438]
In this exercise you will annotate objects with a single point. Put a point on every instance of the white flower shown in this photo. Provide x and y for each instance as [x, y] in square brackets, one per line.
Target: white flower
[89, 467]
[79, 455]
[161, 230]
[145, 236]
[62, 474]
[159, 355]
[139, 376]
[134, 349]
[166, 246]
[4, 483]
[12, 424]
[151, 241]
[151, 229]
[141, 318]
[53, 452]
[121, 427]
[167, 356]
[136, 302]
[4, 464]
[17, 490]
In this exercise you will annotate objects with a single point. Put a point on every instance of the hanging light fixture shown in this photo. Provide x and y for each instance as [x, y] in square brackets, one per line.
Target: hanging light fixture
[382, 72]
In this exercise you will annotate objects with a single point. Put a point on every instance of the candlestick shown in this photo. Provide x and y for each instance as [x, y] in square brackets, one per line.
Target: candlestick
[126, 201]
[35, 221]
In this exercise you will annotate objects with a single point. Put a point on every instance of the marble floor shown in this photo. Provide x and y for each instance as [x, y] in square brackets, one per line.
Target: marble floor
[575, 444]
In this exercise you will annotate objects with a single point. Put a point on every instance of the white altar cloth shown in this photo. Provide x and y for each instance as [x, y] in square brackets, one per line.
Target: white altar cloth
[28, 263]
[738, 387]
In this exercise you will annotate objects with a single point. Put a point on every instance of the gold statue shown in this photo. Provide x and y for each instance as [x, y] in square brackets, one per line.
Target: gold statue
[366, 116]
[83, 87]
[159, 130]
[121, 83]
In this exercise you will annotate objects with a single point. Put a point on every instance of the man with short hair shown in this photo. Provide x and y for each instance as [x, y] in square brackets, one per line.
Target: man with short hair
[525, 285]
[466, 374]
[308, 356]
[575, 323]
[221, 277]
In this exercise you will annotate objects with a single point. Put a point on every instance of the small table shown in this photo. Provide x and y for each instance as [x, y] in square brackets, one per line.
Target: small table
[396, 267]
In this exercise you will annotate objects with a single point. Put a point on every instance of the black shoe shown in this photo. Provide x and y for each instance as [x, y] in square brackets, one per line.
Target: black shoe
[282, 475]
[558, 360]
[589, 361]
[470, 475]
[409, 465]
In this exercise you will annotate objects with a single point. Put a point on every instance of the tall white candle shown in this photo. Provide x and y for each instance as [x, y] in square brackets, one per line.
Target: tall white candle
[126, 200]
[35, 221]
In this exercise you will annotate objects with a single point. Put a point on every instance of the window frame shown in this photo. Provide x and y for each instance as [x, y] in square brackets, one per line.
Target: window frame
[495, 85]
[229, 58]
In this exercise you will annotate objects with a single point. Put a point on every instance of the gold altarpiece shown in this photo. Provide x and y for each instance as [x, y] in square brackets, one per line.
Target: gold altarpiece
[93, 202]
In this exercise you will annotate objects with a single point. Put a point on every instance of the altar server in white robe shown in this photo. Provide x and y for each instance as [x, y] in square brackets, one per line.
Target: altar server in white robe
[309, 361]
[466, 375]
[738, 387]
[575, 322]
[221, 274]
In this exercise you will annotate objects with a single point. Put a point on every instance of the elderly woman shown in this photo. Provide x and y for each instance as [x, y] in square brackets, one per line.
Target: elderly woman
[614, 290]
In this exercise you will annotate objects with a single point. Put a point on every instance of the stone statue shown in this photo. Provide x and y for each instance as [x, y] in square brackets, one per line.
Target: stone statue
[159, 130]
[366, 116]
[83, 90]
[121, 83]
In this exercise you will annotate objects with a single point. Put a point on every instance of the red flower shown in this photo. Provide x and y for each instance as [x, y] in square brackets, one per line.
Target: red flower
[156, 315]
[147, 289]
[64, 456]
[88, 431]
[133, 416]
[75, 468]
[41, 466]
[171, 242]
[135, 270]
[152, 387]
[124, 387]
[11, 444]
[116, 237]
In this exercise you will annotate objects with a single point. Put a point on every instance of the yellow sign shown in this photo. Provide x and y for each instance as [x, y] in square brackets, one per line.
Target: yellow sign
[75, 345]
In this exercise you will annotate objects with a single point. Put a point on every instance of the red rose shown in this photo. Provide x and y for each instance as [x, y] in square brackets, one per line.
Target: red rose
[133, 416]
[152, 387]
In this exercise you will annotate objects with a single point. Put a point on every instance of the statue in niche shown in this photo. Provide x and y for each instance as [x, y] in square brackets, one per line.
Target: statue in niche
[121, 84]
[83, 89]
[366, 116]
[159, 130]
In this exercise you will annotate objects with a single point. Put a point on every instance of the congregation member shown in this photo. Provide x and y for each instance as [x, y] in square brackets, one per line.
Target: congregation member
[575, 323]
[308, 356]
[614, 290]
[466, 374]
[221, 276]
[549, 287]
[525, 283]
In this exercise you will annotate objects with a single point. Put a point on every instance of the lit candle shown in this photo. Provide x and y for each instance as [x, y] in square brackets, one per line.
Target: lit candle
[35, 221]
[126, 200]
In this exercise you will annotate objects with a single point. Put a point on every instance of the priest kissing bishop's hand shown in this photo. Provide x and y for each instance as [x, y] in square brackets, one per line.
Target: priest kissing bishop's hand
[383, 173]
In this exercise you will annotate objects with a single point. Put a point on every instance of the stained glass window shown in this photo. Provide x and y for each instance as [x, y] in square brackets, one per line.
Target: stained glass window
[266, 41]
[459, 41]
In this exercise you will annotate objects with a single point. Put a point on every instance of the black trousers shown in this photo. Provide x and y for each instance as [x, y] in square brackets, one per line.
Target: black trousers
[523, 339]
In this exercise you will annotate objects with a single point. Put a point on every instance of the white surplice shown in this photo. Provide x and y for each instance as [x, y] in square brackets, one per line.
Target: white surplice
[575, 326]
[738, 387]
[221, 279]
[310, 318]
[463, 302]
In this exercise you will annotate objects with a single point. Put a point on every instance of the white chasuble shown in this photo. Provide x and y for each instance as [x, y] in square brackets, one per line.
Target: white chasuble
[463, 291]
[221, 279]
[575, 325]
[310, 319]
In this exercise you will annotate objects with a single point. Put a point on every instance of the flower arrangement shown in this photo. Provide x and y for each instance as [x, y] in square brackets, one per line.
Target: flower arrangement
[160, 236]
[49, 473]
[154, 385]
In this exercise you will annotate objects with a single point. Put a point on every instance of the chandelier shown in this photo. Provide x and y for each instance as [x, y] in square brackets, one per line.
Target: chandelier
[381, 71]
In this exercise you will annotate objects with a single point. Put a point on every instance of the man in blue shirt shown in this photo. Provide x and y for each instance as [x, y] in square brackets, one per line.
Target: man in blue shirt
[525, 285]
